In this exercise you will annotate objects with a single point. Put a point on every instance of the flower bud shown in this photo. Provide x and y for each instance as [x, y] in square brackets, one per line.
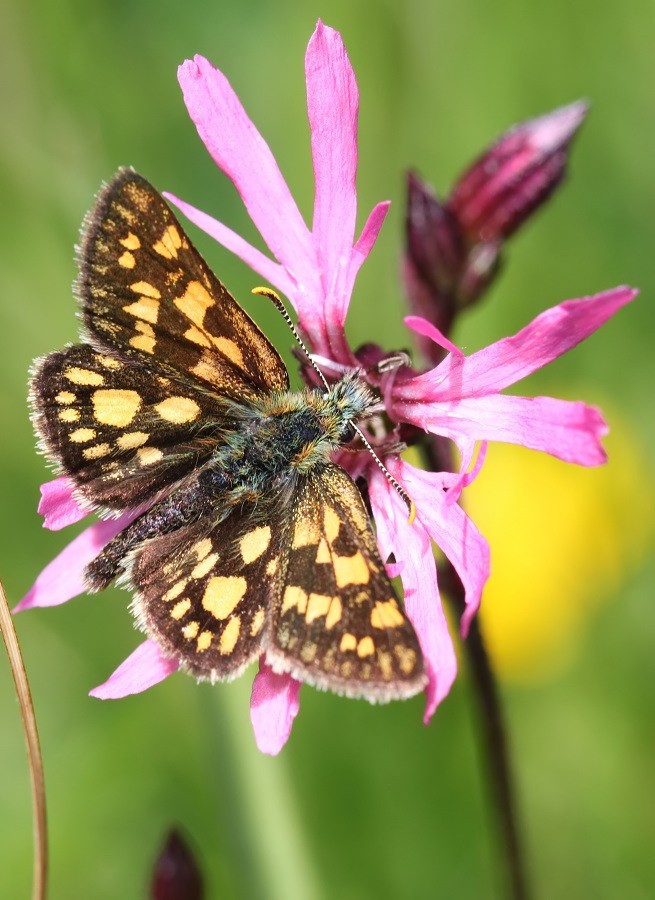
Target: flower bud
[515, 176]
[176, 875]
[454, 249]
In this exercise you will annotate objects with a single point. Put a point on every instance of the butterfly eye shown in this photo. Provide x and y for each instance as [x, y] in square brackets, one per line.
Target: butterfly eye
[347, 433]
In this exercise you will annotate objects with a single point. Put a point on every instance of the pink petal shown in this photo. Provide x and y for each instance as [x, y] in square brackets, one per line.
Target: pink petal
[58, 506]
[358, 254]
[145, 667]
[450, 528]
[412, 547]
[270, 271]
[324, 323]
[240, 151]
[61, 580]
[332, 105]
[427, 329]
[570, 431]
[274, 704]
[501, 364]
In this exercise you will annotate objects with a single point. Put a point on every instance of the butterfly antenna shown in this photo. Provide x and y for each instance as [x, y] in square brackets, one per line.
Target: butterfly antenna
[275, 300]
[403, 493]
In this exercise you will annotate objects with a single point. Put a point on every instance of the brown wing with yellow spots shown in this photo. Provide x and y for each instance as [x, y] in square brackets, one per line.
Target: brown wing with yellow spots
[147, 294]
[337, 622]
[204, 593]
[121, 432]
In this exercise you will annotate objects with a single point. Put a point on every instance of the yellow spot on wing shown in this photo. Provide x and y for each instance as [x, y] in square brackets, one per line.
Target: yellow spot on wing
[181, 608]
[348, 642]
[257, 622]
[294, 596]
[131, 440]
[334, 613]
[169, 244]
[202, 548]
[149, 455]
[206, 369]
[223, 593]
[204, 640]
[190, 630]
[308, 652]
[365, 647]
[323, 554]
[256, 542]
[65, 397]
[146, 308]
[386, 664]
[178, 410]
[127, 260]
[84, 376]
[96, 452]
[228, 348]
[196, 336]
[145, 288]
[351, 570]
[317, 605]
[69, 415]
[195, 302]
[205, 566]
[175, 591]
[131, 242]
[386, 615]
[306, 533]
[406, 658]
[115, 407]
[108, 362]
[82, 435]
[146, 340]
[230, 636]
[332, 524]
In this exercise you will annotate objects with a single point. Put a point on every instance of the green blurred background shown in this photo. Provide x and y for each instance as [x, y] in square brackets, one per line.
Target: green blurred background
[363, 801]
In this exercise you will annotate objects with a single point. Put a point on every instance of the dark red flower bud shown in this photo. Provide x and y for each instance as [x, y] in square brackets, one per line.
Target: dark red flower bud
[515, 176]
[176, 875]
[435, 258]
[454, 248]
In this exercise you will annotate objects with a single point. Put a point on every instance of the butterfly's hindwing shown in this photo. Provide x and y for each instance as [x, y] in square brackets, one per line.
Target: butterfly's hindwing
[338, 623]
[120, 431]
[147, 294]
[205, 593]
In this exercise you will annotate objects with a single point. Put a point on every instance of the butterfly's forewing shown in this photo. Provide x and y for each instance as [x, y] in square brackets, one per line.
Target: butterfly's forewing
[205, 592]
[147, 295]
[337, 622]
[120, 431]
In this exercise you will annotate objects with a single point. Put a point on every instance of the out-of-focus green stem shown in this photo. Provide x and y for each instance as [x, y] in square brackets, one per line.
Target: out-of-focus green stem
[39, 885]
[267, 831]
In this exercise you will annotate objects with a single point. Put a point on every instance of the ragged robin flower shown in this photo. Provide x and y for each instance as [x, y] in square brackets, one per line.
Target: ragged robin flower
[460, 399]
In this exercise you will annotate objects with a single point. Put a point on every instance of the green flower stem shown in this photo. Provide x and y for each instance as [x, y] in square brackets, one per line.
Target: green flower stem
[438, 457]
[39, 882]
[264, 818]
[494, 731]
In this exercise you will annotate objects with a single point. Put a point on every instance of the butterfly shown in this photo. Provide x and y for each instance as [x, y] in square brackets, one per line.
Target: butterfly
[249, 541]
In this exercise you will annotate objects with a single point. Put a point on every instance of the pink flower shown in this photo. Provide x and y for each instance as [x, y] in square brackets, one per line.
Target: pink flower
[459, 399]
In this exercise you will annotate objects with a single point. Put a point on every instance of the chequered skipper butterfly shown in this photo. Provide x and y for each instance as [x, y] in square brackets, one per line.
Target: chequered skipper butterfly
[252, 541]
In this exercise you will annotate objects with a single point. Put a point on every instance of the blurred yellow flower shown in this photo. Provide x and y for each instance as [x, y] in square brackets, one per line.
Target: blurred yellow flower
[563, 540]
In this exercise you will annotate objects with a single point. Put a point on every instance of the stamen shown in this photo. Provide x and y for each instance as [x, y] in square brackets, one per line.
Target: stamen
[393, 361]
